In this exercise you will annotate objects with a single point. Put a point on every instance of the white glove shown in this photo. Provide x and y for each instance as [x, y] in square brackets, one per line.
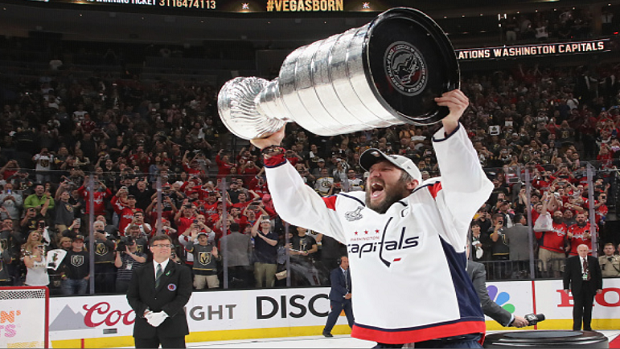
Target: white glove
[148, 315]
[155, 319]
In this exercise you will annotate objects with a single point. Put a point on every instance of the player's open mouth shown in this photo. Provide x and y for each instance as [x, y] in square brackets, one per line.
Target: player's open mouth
[376, 189]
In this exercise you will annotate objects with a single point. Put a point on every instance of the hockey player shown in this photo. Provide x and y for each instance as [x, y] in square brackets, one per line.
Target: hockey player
[406, 238]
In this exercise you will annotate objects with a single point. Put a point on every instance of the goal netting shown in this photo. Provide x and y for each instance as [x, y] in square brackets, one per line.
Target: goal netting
[24, 317]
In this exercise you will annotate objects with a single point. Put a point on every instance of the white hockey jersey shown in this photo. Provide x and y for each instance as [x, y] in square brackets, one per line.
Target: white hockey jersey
[408, 265]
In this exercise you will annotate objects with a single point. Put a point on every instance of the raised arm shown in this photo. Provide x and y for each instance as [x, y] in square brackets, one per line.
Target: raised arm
[462, 178]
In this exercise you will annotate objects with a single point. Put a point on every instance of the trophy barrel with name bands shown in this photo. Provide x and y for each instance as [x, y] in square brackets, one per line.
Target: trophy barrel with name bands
[385, 73]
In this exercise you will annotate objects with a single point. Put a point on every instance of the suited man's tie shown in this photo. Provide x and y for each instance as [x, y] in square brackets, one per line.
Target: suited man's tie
[586, 273]
[346, 279]
[158, 273]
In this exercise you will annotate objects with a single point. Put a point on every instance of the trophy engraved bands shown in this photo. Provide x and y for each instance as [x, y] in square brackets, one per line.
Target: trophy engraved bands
[385, 73]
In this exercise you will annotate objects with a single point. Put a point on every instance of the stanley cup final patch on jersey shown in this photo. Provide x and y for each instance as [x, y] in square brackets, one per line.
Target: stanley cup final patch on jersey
[405, 68]
[354, 215]
[77, 260]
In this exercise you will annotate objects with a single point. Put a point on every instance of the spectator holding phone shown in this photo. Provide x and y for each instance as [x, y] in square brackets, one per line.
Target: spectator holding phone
[138, 220]
[41, 200]
[100, 194]
[64, 210]
[10, 203]
[74, 229]
[33, 256]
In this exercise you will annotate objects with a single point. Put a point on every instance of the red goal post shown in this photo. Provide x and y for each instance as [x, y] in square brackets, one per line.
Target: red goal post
[24, 317]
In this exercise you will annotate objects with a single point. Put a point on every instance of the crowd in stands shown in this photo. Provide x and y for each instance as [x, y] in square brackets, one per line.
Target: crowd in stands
[148, 158]
[556, 24]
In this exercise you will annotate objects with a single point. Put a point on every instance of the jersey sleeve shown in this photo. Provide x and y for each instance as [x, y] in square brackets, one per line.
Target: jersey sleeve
[464, 185]
[299, 204]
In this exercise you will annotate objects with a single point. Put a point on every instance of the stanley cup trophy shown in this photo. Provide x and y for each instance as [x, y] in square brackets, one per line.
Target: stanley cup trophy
[385, 73]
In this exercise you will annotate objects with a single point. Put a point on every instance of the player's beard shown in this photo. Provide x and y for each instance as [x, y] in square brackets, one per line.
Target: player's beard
[392, 193]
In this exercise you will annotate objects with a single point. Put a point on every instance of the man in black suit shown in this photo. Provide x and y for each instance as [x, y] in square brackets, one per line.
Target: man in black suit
[158, 291]
[478, 276]
[583, 274]
[339, 296]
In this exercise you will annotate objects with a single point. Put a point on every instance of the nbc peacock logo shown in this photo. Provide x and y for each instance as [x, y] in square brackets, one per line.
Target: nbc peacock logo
[501, 298]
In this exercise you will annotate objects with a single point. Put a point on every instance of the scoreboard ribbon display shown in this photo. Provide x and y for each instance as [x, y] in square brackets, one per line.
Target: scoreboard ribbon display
[236, 6]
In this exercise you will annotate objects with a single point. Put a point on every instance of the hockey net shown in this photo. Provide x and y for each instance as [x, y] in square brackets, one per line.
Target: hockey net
[24, 317]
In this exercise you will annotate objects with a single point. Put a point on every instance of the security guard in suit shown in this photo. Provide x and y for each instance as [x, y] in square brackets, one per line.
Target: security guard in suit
[157, 293]
[339, 296]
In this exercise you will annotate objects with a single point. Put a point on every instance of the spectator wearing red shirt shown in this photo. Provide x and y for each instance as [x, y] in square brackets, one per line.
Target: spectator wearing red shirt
[194, 199]
[9, 169]
[293, 158]
[601, 209]
[267, 206]
[214, 218]
[579, 233]
[247, 169]
[167, 229]
[244, 202]
[168, 209]
[210, 206]
[259, 186]
[142, 159]
[138, 220]
[125, 211]
[551, 243]
[219, 232]
[543, 181]
[605, 157]
[87, 124]
[185, 217]
[100, 193]
[223, 164]
[195, 167]
[237, 217]
[536, 210]
[193, 183]
[207, 189]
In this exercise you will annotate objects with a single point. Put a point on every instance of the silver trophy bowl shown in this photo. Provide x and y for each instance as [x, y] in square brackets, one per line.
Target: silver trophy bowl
[386, 73]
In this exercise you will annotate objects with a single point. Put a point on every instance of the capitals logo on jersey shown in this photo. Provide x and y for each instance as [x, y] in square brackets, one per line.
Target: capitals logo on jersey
[385, 248]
